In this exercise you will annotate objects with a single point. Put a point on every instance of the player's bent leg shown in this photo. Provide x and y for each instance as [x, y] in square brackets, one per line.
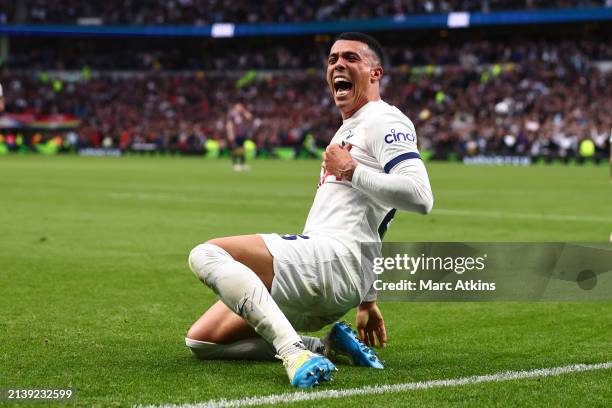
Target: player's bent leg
[256, 349]
[251, 251]
[221, 326]
[220, 334]
[240, 272]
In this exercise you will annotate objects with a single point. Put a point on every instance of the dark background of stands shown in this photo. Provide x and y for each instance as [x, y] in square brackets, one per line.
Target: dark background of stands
[263, 11]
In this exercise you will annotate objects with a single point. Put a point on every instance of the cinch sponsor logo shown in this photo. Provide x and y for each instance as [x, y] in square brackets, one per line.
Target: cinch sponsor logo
[399, 137]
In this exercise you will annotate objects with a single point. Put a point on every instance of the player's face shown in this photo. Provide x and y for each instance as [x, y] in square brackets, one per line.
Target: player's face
[352, 75]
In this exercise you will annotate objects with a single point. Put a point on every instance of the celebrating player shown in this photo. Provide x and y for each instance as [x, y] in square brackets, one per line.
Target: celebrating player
[270, 285]
[237, 130]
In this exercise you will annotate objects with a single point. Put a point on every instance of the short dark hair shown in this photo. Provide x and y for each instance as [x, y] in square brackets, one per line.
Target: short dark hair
[371, 42]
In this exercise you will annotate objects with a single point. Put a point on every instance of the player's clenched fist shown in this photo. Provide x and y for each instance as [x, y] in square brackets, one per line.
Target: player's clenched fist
[338, 161]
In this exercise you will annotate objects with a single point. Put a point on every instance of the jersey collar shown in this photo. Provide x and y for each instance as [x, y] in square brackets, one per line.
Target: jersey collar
[362, 111]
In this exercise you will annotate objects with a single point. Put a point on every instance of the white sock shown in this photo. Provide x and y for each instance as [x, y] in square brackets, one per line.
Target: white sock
[248, 349]
[244, 293]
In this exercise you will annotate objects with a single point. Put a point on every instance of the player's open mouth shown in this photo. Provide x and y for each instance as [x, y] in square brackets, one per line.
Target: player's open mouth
[342, 86]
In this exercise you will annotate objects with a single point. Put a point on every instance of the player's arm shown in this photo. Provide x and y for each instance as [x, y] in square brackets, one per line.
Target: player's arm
[244, 111]
[369, 321]
[405, 186]
[229, 129]
[370, 324]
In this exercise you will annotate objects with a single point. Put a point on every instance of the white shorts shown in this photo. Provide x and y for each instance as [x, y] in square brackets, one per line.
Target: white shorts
[316, 279]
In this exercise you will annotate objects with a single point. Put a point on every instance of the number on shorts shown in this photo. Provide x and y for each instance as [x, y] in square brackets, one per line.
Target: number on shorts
[294, 237]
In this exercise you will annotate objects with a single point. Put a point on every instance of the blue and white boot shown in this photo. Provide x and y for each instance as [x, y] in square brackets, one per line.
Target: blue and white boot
[307, 369]
[342, 340]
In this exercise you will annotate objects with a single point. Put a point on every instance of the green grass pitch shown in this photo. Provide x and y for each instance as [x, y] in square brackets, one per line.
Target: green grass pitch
[96, 293]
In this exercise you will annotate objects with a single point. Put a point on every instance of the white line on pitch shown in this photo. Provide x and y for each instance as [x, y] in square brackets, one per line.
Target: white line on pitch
[525, 216]
[388, 388]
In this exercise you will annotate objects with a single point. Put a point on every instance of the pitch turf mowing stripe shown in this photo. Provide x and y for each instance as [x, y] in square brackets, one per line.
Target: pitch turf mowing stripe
[387, 389]
[526, 216]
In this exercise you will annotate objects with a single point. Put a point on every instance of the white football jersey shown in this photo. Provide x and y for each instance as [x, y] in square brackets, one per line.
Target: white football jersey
[381, 136]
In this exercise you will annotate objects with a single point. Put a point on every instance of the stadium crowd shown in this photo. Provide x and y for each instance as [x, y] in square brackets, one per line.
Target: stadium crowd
[211, 11]
[539, 101]
[259, 56]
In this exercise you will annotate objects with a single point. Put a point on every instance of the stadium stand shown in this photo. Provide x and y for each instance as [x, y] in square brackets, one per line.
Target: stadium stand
[539, 94]
[510, 108]
[210, 56]
[211, 11]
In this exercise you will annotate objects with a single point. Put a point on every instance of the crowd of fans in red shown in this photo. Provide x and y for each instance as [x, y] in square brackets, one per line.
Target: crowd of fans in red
[538, 99]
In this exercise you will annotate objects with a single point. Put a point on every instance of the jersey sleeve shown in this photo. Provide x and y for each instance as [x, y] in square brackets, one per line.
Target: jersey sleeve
[392, 140]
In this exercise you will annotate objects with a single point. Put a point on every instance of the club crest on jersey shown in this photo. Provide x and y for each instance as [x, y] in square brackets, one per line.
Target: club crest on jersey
[327, 177]
[393, 136]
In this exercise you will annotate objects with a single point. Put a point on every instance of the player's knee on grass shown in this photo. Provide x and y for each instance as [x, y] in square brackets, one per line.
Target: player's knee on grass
[207, 350]
[248, 349]
[196, 333]
[204, 350]
[200, 349]
[206, 333]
